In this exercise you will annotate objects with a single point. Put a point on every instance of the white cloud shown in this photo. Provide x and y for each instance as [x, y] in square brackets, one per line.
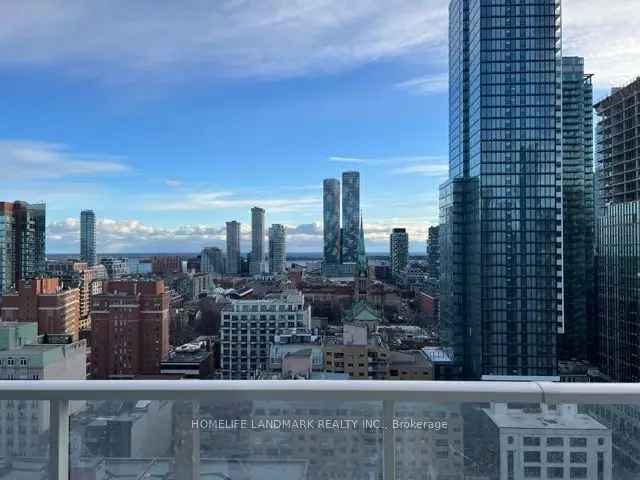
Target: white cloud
[211, 200]
[426, 85]
[427, 169]
[172, 183]
[30, 160]
[606, 34]
[268, 39]
[129, 236]
[386, 160]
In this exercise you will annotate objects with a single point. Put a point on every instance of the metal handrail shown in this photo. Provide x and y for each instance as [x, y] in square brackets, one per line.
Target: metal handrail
[322, 390]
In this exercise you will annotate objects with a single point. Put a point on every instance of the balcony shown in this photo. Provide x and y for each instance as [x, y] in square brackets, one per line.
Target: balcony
[324, 430]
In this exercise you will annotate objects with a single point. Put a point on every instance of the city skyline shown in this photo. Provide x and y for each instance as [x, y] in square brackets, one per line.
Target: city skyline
[114, 149]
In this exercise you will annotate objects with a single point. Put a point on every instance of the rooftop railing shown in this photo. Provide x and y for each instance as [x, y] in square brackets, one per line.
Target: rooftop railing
[191, 429]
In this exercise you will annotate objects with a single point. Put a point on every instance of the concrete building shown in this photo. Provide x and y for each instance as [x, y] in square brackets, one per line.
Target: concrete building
[398, 250]
[233, 248]
[277, 249]
[44, 301]
[22, 243]
[357, 353]
[115, 267]
[548, 443]
[350, 216]
[88, 237]
[331, 220]
[256, 262]
[193, 285]
[501, 209]
[26, 356]
[130, 323]
[292, 341]
[250, 326]
[212, 261]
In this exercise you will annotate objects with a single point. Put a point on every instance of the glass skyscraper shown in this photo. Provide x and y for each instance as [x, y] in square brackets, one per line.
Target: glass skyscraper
[88, 237]
[257, 240]
[350, 216]
[578, 212]
[277, 248]
[331, 220]
[233, 248]
[501, 210]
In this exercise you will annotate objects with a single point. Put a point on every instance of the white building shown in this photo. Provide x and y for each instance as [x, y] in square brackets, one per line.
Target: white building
[23, 423]
[250, 326]
[277, 249]
[544, 443]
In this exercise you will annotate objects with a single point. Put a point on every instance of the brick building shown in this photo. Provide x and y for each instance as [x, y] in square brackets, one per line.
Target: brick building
[44, 301]
[130, 326]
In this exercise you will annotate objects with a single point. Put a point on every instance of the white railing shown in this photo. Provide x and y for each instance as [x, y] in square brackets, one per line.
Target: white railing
[59, 393]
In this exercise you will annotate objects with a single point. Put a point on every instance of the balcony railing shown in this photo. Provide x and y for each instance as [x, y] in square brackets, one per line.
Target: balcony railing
[242, 430]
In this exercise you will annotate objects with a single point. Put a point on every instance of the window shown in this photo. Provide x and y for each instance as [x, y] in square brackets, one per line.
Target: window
[532, 457]
[532, 472]
[578, 472]
[578, 442]
[578, 457]
[555, 457]
[555, 472]
[11, 362]
[555, 442]
[531, 441]
[23, 362]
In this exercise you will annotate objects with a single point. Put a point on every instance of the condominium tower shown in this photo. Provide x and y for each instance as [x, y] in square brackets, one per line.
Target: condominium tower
[88, 237]
[501, 209]
[257, 240]
[331, 229]
[350, 215]
[233, 248]
[277, 248]
[398, 250]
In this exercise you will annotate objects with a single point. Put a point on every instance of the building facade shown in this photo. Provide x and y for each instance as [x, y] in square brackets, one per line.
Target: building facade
[44, 301]
[22, 247]
[256, 261]
[233, 248]
[78, 275]
[115, 267]
[212, 261]
[331, 220]
[25, 356]
[130, 324]
[578, 211]
[501, 210]
[277, 249]
[433, 250]
[350, 216]
[249, 327]
[398, 250]
[88, 237]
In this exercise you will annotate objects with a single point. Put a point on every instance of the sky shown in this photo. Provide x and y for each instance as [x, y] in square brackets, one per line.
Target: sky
[170, 118]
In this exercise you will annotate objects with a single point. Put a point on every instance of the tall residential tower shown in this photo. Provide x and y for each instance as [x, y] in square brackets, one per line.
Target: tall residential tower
[331, 228]
[501, 209]
[277, 248]
[350, 216]
[257, 240]
[233, 248]
[88, 237]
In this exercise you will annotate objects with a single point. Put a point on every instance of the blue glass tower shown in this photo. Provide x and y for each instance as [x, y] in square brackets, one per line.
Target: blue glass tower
[501, 210]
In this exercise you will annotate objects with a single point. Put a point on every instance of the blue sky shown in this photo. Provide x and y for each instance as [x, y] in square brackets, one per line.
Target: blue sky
[169, 118]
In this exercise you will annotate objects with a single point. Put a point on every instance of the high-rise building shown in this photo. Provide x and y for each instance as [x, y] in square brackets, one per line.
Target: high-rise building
[88, 237]
[242, 355]
[133, 340]
[398, 250]
[618, 233]
[331, 220]
[277, 248]
[212, 261]
[257, 241]
[501, 210]
[78, 275]
[578, 211]
[233, 248]
[350, 216]
[433, 250]
[44, 301]
[22, 247]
